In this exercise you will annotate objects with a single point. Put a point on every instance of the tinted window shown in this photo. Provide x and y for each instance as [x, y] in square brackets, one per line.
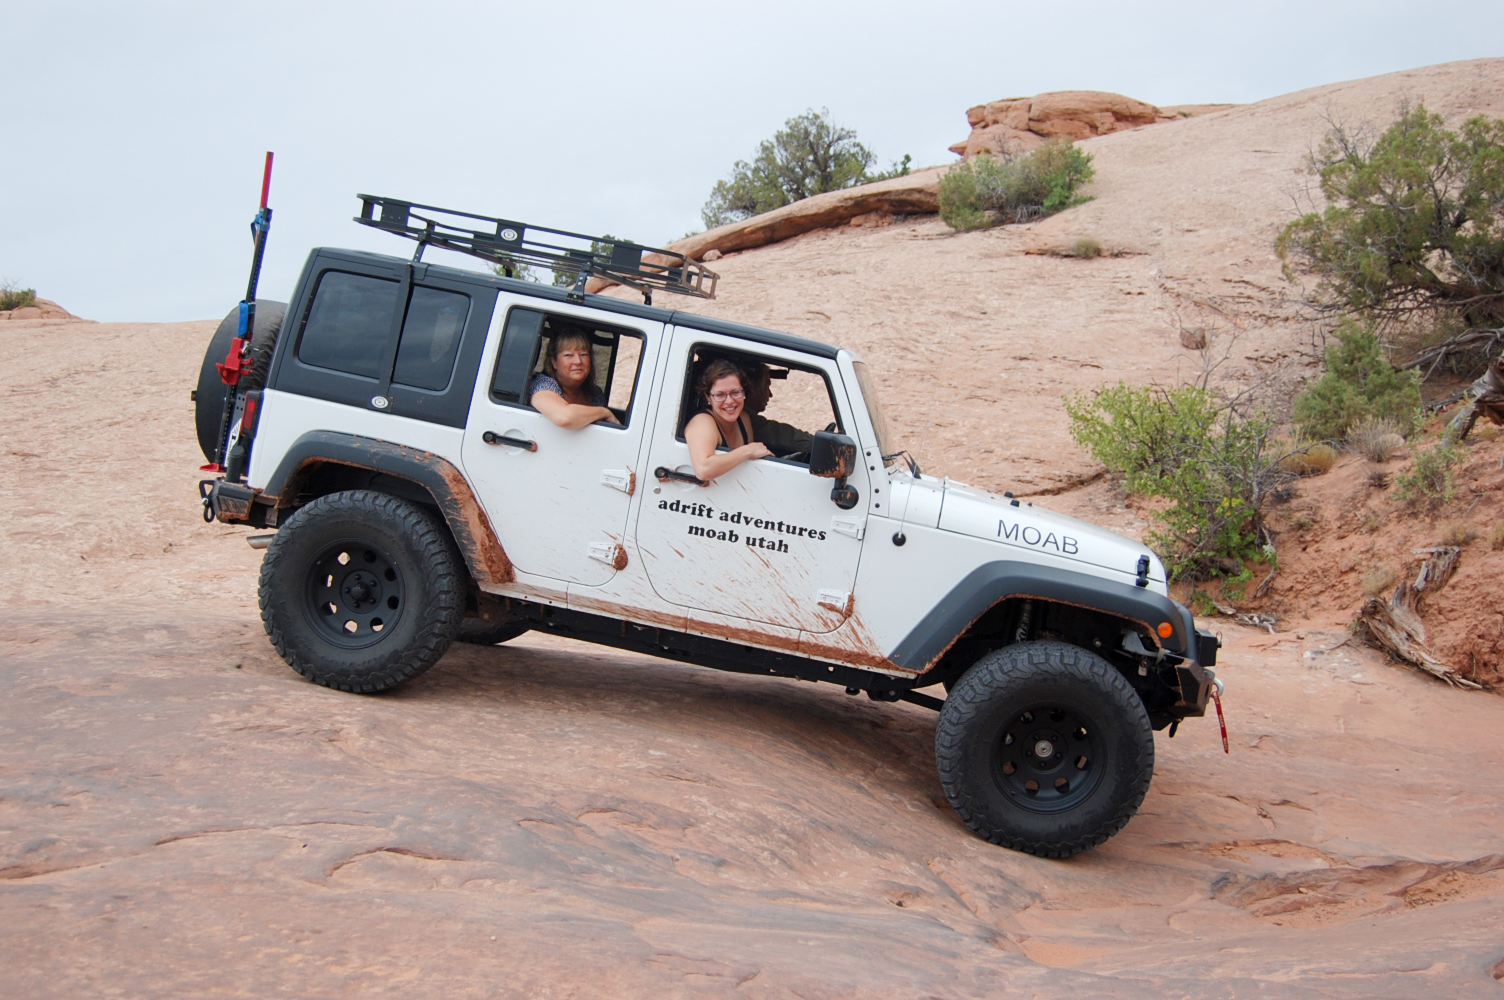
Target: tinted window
[348, 324]
[430, 338]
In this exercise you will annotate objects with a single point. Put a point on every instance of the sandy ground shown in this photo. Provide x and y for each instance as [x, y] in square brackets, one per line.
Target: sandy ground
[181, 814]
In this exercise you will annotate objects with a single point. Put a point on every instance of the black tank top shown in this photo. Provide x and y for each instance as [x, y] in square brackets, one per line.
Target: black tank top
[746, 429]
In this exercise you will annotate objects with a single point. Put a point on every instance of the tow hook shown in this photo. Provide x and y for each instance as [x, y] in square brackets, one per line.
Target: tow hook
[205, 491]
[1217, 688]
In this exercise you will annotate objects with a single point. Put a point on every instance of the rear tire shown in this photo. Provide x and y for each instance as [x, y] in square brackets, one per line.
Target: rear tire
[361, 591]
[1044, 748]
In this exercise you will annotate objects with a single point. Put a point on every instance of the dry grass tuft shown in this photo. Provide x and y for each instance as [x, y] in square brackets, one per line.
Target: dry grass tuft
[1379, 580]
[1312, 460]
[1085, 247]
[1496, 537]
[1457, 533]
[1377, 439]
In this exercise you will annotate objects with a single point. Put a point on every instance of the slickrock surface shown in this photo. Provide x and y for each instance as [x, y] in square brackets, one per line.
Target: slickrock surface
[39, 309]
[182, 815]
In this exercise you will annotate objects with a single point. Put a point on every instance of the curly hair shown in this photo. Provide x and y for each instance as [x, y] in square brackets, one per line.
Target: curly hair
[717, 370]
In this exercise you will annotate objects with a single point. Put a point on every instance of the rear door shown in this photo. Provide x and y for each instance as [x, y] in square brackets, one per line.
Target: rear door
[557, 498]
[764, 542]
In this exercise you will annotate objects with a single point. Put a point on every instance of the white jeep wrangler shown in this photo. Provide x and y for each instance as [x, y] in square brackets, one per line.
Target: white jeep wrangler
[419, 498]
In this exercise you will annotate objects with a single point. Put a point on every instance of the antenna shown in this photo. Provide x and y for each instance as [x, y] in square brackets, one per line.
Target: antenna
[899, 537]
[511, 244]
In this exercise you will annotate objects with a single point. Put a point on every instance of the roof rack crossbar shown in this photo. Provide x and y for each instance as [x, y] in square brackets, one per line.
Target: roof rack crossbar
[512, 244]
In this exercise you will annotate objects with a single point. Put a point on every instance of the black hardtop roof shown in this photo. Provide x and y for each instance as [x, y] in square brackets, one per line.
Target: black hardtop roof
[622, 307]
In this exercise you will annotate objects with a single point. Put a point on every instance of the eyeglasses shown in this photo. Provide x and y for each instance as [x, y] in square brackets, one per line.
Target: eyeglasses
[732, 396]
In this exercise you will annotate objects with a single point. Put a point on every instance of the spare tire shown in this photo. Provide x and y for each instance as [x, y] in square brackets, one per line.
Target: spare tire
[210, 397]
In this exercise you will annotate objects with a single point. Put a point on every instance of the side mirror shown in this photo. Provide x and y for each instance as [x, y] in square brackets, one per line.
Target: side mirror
[832, 456]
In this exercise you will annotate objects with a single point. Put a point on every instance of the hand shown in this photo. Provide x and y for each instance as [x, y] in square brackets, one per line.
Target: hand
[610, 418]
[758, 450]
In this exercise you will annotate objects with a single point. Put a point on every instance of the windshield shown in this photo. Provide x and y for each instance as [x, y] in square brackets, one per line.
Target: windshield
[874, 410]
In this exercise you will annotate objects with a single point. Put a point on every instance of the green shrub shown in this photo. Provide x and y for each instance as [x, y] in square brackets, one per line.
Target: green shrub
[992, 190]
[809, 155]
[15, 298]
[1359, 385]
[1086, 248]
[1413, 220]
[1430, 475]
[1211, 462]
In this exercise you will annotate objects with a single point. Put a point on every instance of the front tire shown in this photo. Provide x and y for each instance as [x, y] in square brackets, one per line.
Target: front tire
[1044, 748]
[361, 591]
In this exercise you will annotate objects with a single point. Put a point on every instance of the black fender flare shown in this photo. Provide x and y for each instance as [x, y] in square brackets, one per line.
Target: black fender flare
[447, 485]
[1003, 579]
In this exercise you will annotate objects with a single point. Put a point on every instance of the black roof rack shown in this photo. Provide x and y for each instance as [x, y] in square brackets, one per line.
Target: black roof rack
[511, 244]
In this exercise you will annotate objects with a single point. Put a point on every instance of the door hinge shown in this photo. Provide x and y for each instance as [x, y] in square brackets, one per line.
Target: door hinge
[620, 479]
[610, 553]
[839, 601]
[856, 527]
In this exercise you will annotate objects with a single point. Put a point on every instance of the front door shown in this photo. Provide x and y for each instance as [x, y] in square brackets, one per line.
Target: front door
[558, 498]
[764, 542]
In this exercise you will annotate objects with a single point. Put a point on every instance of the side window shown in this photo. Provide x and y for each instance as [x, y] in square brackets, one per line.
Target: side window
[785, 404]
[349, 323]
[430, 338]
[615, 356]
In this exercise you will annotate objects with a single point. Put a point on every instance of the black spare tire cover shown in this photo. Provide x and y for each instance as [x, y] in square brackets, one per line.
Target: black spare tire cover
[210, 398]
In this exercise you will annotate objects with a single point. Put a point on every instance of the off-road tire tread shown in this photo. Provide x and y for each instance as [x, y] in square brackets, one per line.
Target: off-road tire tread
[444, 580]
[989, 679]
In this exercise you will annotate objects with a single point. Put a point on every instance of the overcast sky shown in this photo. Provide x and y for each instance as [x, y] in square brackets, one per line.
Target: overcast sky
[134, 133]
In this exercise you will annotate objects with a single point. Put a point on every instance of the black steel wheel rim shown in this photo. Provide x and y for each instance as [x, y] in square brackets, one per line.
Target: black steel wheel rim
[354, 594]
[1048, 758]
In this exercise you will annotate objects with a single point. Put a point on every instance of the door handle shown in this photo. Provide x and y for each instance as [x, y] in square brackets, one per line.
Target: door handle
[664, 474]
[491, 437]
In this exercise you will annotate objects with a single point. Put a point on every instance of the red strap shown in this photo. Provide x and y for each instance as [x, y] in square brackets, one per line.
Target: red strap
[1221, 721]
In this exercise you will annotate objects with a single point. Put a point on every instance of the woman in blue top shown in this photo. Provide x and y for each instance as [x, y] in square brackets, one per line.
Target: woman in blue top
[565, 391]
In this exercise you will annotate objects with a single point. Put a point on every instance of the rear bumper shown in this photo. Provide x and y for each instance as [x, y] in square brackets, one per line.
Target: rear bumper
[234, 503]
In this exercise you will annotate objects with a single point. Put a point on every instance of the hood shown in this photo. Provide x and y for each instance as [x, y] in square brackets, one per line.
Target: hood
[1033, 532]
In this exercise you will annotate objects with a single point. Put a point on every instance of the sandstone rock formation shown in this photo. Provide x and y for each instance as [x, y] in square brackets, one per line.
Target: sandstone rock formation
[39, 309]
[876, 204]
[1019, 124]
[183, 815]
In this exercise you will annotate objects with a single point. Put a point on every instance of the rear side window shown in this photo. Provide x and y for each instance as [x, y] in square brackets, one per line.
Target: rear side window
[430, 338]
[348, 324]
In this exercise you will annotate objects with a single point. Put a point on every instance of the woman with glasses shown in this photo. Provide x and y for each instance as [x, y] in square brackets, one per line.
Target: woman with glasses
[722, 425]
